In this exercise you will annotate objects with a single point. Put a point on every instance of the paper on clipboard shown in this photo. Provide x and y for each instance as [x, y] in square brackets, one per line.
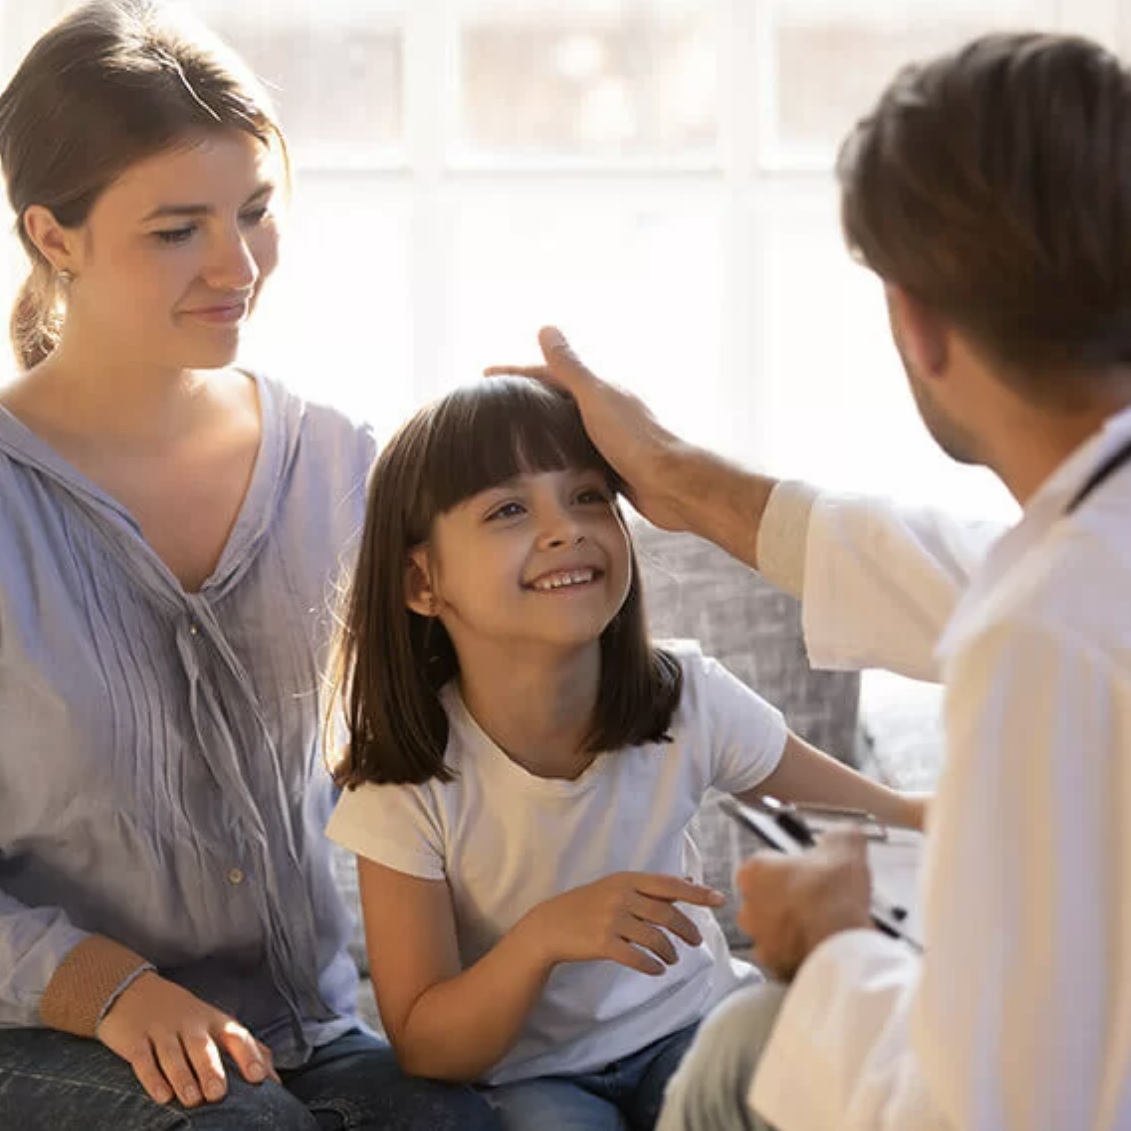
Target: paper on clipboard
[895, 857]
[897, 872]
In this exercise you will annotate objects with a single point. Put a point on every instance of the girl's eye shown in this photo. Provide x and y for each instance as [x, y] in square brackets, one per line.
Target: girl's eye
[174, 236]
[593, 495]
[507, 510]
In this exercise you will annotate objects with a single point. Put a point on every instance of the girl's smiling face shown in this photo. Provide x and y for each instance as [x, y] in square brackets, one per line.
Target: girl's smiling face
[542, 559]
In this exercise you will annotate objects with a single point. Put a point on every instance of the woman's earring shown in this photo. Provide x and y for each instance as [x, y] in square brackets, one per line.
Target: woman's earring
[65, 277]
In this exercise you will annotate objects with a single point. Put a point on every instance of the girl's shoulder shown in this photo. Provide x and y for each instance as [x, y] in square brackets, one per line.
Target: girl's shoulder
[699, 670]
[709, 688]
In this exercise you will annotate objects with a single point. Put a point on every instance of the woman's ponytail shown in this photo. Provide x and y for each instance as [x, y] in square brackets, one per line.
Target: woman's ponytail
[36, 319]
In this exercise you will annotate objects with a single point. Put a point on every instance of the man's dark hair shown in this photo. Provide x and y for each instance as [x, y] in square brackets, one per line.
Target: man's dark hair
[994, 184]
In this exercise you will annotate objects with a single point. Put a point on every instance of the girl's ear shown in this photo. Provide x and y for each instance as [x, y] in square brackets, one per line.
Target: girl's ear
[419, 595]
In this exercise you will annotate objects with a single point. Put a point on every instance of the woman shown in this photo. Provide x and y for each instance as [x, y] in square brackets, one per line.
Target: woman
[170, 933]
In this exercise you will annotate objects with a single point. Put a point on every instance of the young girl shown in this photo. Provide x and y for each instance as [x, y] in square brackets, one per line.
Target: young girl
[522, 766]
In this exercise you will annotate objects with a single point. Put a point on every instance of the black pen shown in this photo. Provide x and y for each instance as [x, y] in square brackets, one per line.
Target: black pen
[789, 820]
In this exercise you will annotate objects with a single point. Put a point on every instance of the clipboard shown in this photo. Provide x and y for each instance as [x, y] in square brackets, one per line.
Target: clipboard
[895, 855]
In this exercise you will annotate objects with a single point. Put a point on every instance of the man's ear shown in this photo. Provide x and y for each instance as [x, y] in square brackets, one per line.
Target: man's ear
[921, 333]
[419, 592]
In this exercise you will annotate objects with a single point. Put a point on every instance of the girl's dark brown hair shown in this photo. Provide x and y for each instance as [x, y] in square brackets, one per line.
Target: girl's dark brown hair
[112, 83]
[994, 183]
[390, 662]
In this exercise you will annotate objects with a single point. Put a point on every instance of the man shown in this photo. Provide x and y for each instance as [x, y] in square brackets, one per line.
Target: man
[990, 191]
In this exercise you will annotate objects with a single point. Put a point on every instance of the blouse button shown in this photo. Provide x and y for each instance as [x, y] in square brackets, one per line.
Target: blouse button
[235, 876]
[193, 629]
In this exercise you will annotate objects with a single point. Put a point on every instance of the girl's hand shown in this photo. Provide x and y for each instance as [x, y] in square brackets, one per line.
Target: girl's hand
[173, 1042]
[624, 918]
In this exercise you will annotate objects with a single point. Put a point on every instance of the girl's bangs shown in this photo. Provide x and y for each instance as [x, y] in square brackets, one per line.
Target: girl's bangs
[498, 429]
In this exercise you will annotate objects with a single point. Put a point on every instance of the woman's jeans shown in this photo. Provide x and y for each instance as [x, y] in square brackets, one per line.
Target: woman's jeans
[625, 1095]
[56, 1082]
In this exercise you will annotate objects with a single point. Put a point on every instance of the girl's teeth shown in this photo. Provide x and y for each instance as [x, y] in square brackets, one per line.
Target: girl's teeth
[578, 578]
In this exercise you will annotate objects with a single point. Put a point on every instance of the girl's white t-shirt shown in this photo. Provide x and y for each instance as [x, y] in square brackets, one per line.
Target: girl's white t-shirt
[506, 840]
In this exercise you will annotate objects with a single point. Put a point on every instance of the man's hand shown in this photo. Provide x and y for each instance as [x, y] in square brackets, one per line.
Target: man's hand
[791, 904]
[645, 455]
[674, 484]
[173, 1042]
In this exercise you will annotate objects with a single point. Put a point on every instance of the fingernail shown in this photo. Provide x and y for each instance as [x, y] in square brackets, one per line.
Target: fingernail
[214, 1090]
[716, 896]
[192, 1095]
[256, 1071]
[555, 339]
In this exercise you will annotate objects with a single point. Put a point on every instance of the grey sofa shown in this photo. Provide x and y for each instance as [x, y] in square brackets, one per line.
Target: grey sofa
[694, 590]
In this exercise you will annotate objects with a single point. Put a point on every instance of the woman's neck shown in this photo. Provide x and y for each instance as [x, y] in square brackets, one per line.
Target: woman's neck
[538, 708]
[129, 405]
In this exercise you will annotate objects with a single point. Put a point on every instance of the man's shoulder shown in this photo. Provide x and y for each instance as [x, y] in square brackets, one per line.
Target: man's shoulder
[1070, 597]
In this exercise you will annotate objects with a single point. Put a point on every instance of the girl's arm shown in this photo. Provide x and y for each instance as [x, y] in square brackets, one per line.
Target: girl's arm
[453, 1024]
[441, 1022]
[805, 774]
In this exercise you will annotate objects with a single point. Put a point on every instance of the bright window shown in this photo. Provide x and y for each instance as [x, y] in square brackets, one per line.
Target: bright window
[653, 175]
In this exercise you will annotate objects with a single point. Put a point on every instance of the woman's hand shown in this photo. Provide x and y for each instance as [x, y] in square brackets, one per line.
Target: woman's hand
[173, 1042]
[624, 918]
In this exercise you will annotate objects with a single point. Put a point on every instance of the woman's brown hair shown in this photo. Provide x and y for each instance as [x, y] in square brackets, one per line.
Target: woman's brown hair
[994, 183]
[112, 83]
[391, 662]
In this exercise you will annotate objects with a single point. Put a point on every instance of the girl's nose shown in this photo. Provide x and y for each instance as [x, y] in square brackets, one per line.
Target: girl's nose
[561, 529]
[557, 541]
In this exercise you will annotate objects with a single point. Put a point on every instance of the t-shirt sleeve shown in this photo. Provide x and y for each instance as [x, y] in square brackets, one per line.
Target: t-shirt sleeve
[394, 825]
[741, 734]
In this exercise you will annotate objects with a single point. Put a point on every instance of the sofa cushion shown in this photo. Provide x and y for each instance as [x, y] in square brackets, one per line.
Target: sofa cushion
[693, 589]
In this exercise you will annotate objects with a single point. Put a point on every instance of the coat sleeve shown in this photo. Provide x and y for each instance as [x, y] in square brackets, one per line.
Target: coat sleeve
[881, 582]
[1014, 1018]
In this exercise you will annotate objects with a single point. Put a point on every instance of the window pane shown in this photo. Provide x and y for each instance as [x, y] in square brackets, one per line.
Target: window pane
[21, 24]
[836, 405]
[334, 69]
[605, 80]
[636, 287]
[830, 59]
[335, 321]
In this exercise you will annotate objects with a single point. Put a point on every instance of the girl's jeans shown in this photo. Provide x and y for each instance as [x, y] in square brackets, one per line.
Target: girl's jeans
[625, 1095]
